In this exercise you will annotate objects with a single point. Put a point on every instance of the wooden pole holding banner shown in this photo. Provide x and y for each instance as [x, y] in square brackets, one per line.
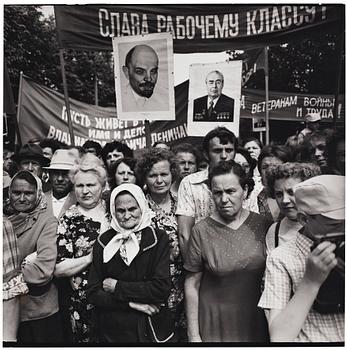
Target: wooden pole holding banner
[267, 123]
[338, 75]
[18, 138]
[96, 90]
[148, 134]
[261, 137]
[66, 97]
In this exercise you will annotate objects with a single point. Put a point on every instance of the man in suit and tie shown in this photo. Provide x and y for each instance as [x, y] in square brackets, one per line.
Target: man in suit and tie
[215, 106]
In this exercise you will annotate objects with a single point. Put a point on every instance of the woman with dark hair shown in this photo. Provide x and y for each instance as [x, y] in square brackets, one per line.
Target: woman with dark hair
[225, 261]
[281, 180]
[157, 168]
[122, 171]
[36, 231]
[248, 164]
[115, 150]
[270, 155]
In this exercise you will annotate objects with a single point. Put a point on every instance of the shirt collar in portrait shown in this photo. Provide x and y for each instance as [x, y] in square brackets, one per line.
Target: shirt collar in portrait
[215, 100]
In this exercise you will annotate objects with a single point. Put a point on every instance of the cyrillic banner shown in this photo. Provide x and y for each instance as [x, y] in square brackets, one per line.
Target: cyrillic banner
[195, 27]
[43, 114]
[289, 106]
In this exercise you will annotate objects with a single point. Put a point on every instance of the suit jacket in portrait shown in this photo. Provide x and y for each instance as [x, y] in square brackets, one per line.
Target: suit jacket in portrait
[223, 111]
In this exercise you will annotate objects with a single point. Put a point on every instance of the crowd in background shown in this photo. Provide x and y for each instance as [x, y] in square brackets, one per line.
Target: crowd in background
[182, 244]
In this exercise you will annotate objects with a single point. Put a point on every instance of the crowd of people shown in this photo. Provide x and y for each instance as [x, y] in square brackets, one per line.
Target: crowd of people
[237, 242]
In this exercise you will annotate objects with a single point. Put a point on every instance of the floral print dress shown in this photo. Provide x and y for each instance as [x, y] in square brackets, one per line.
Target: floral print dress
[76, 236]
[168, 223]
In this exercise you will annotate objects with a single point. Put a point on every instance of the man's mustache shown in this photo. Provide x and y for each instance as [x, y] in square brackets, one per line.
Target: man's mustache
[147, 85]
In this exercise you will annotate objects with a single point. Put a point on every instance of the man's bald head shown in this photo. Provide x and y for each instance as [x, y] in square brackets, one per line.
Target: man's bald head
[141, 69]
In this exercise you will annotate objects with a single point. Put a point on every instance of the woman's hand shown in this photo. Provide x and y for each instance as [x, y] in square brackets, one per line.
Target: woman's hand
[109, 285]
[149, 309]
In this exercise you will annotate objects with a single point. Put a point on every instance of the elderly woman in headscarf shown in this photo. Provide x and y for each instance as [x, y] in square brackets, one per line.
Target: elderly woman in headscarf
[35, 229]
[129, 280]
[77, 232]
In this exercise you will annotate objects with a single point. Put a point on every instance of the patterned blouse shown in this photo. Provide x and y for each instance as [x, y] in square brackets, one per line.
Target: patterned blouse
[167, 222]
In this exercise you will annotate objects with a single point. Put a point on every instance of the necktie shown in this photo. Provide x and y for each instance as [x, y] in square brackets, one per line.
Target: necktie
[210, 109]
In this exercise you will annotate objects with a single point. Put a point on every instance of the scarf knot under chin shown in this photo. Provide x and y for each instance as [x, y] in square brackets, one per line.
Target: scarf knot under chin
[126, 240]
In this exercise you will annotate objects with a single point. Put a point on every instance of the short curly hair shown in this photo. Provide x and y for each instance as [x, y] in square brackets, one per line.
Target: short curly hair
[90, 163]
[302, 171]
[150, 156]
[277, 151]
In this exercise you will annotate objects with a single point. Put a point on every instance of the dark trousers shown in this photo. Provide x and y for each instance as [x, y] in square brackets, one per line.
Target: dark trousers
[45, 330]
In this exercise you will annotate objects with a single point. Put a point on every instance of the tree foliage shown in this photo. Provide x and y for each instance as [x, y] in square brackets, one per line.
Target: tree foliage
[31, 46]
[305, 66]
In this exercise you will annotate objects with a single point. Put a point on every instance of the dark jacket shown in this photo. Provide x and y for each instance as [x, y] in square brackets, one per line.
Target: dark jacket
[223, 111]
[146, 280]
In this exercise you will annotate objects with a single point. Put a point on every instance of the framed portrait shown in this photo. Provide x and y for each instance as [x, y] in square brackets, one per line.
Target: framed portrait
[258, 124]
[214, 97]
[143, 68]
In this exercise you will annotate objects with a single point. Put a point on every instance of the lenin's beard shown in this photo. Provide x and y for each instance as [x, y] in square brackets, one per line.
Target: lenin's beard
[145, 89]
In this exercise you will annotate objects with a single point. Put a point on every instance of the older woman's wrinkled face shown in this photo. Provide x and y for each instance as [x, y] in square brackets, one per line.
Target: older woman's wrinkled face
[124, 174]
[159, 178]
[253, 148]
[23, 195]
[228, 195]
[284, 195]
[88, 189]
[127, 210]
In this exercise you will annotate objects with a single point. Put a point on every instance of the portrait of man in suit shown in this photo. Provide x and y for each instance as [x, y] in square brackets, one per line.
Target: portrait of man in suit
[141, 68]
[215, 106]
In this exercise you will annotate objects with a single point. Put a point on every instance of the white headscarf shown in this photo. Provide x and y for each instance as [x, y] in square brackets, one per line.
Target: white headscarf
[127, 236]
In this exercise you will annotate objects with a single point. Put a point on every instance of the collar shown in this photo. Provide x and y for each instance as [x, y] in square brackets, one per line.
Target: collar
[139, 100]
[303, 243]
[199, 177]
[215, 100]
[61, 200]
[148, 240]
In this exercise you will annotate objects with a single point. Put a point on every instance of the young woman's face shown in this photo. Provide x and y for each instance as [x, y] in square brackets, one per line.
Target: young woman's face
[284, 195]
[23, 196]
